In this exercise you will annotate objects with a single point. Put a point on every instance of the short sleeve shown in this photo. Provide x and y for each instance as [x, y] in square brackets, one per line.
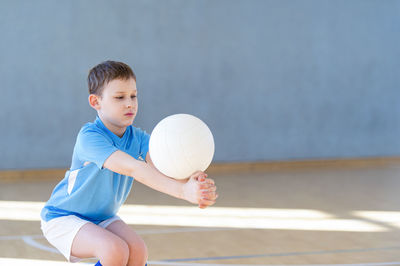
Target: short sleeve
[93, 146]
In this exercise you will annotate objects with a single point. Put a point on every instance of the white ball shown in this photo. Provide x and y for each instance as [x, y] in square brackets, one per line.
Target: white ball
[180, 145]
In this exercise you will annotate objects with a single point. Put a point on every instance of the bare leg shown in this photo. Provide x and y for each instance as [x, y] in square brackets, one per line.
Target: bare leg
[94, 241]
[137, 248]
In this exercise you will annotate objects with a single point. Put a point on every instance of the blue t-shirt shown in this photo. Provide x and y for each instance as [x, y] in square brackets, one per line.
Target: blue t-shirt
[88, 190]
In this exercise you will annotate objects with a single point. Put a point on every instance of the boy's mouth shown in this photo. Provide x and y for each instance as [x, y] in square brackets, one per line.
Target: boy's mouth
[129, 114]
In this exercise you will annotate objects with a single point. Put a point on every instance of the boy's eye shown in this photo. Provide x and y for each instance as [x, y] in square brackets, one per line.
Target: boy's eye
[133, 96]
[119, 97]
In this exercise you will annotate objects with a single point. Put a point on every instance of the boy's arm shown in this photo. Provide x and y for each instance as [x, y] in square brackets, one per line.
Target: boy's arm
[122, 163]
[150, 162]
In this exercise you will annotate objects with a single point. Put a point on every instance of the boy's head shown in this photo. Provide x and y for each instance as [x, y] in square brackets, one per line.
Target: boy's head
[105, 72]
[113, 94]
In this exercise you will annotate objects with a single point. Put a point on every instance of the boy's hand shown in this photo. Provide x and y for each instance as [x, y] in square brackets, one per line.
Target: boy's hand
[209, 195]
[200, 190]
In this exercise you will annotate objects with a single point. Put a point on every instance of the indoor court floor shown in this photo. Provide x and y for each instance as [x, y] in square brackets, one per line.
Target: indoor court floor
[338, 214]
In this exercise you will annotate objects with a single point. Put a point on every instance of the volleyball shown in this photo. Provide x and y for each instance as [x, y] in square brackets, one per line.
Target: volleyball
[180, 145]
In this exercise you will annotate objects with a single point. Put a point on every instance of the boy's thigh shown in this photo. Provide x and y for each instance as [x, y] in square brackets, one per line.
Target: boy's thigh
[91, 240]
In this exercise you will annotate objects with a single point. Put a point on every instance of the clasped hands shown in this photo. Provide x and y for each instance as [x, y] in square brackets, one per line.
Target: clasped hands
[198, 189]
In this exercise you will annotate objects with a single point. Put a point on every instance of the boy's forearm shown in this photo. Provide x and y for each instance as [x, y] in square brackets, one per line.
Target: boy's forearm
[149, 176]
[124, 164]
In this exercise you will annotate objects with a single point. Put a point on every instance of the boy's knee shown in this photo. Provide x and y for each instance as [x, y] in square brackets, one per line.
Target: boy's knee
[138, 253]
[144, 251]
[115, 252]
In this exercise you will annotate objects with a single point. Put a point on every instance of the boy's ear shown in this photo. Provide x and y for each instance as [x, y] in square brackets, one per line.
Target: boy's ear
[94, 101]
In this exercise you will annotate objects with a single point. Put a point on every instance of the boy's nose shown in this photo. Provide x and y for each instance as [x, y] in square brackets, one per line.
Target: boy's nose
[131, 107]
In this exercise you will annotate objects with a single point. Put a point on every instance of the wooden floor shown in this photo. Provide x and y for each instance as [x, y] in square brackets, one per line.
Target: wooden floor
[264, 216]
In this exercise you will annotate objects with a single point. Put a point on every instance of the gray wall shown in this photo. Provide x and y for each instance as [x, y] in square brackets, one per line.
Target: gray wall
[274, 80]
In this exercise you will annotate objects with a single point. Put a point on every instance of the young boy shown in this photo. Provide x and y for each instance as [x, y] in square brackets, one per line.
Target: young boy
[80, 217]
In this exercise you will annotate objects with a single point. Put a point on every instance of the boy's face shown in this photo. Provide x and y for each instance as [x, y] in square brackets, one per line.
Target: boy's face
[118, 105]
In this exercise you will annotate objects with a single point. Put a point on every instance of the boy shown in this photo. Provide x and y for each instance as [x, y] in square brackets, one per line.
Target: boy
[80, 217]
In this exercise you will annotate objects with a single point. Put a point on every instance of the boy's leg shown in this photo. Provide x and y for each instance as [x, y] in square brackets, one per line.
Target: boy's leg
[137, 248]
[94, 241]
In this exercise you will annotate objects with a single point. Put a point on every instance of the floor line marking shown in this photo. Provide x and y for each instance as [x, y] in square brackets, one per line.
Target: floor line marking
[284, 254]
[205, 264]
[31, 242]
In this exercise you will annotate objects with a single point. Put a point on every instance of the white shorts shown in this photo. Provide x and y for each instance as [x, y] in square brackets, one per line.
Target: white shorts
[61, 231]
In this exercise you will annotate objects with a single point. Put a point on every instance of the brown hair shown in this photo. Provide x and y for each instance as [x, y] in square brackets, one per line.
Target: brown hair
[105, 72]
